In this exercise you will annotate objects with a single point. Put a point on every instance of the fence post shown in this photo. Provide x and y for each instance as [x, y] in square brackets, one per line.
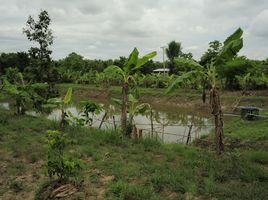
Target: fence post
[152, 125]
[114, 123]
[189, 134]
[102, 120]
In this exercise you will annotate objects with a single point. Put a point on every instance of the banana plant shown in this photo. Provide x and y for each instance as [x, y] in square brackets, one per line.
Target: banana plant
[134, 108]
[125, 74]
[244, 82]
[62, 104]
[207, 76]
[22, 92]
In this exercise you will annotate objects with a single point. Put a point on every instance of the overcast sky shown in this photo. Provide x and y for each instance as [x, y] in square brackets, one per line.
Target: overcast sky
[105, 29]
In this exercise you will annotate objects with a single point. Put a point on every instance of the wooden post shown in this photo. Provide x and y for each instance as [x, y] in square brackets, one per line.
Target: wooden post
[102, 120]
[163, 129]
[134, 132]
[152, 125]
[189, 134]
[114, 123]
[140, 133]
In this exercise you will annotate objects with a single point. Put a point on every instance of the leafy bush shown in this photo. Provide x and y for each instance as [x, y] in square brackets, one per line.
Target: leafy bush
[58, 164]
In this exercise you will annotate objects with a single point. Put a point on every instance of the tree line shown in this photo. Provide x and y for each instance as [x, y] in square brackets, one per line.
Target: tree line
[38, 66]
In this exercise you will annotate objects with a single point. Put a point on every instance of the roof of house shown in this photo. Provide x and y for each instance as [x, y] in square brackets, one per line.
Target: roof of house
[161, 70]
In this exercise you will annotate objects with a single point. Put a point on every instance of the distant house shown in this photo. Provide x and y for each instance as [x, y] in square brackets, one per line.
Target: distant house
[161, 70]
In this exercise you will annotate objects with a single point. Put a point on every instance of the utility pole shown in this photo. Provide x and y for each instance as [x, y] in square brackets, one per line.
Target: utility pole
[164, 65]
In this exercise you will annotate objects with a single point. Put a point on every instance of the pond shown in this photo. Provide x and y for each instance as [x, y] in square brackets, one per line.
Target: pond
[169, 124]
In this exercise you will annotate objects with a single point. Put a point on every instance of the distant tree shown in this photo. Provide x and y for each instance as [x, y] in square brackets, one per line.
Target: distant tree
[17, 60]
[73, 62]
[187, 55]
[173, 50]
[23, 60]
[120, 62]
[148, 67]
[38, 31]
[236, 67]
[211, 53]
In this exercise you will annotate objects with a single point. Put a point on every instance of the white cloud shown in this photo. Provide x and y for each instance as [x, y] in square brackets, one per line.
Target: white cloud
[109, 29]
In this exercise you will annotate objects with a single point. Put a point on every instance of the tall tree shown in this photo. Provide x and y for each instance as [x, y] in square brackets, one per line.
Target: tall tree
[73, 62]
[212, 52]
[173, 50]
[38, 31]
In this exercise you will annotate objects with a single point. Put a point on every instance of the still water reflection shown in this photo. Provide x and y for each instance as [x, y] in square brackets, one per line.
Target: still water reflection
[169, 125]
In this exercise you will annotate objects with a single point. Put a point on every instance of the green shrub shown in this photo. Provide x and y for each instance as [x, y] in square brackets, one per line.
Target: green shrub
[58, 164]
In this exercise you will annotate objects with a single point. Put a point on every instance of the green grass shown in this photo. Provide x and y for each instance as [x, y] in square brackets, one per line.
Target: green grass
[120, 168]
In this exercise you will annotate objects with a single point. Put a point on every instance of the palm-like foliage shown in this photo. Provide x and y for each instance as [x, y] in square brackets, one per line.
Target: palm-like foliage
[207, 76]
[173, 51]
[125, 74]
[62, 104]
[21, 91]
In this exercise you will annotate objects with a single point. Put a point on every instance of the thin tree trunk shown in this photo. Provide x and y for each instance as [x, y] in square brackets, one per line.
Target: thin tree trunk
[124, 108]
[217, 112]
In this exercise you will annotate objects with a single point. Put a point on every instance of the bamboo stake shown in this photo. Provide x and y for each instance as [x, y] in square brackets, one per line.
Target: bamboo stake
[152, 125]
[189, 134]
[114, 123]
[102, 120]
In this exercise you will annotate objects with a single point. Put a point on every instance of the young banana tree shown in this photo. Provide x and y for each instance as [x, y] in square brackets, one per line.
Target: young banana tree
[134, 108]
[207, 75]
[62, 104]
[131, 66]
[22, 92]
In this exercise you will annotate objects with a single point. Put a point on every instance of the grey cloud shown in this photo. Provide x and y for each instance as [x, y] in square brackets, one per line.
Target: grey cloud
[259, 26]
[109, 29]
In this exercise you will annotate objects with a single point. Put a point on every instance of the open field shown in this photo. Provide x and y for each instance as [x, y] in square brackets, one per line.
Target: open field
[180, 97]
[115, 167]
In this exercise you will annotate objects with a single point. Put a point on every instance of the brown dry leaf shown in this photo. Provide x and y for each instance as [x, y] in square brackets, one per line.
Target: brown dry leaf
[63, 191]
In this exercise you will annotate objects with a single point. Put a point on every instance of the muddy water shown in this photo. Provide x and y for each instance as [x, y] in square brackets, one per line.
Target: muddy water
[170, 124]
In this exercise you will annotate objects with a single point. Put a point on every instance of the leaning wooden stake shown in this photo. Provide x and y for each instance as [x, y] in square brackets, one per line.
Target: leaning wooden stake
[152, 124]
[217, 112]
[189, 134]
[102, 120]
[114, 123]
